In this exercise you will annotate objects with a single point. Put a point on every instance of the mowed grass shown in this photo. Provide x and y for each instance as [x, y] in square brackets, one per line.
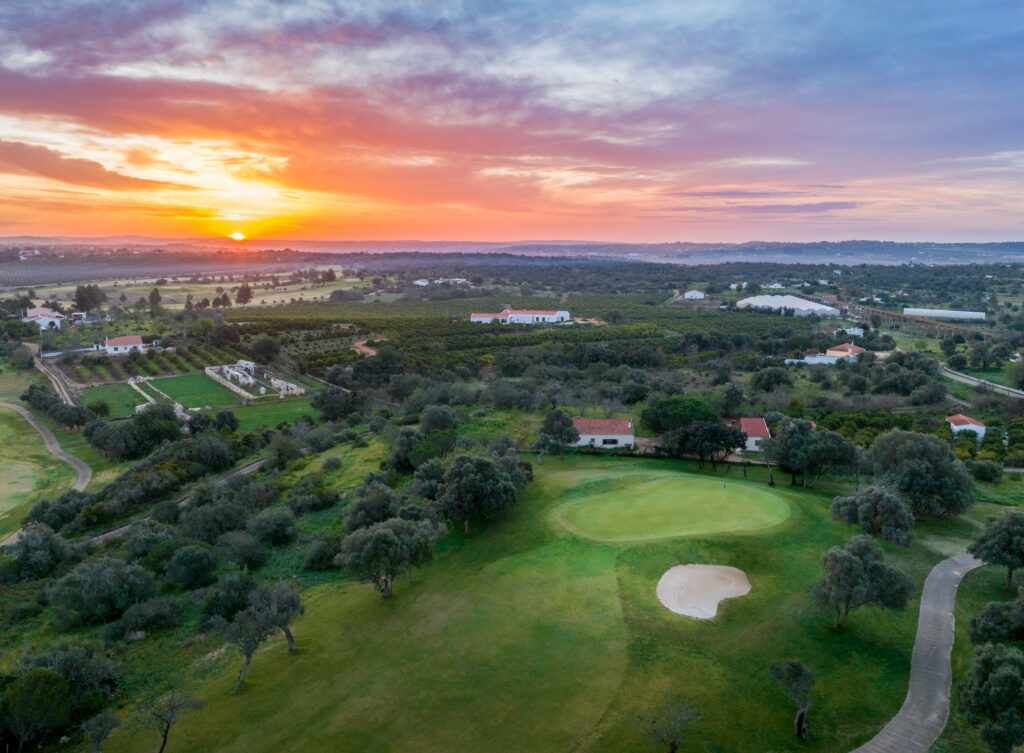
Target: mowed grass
[196, 391]
[120, 396]
[28, 472]
[527, 637]
[633, 506]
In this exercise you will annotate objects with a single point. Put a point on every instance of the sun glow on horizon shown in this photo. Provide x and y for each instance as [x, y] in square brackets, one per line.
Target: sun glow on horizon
[236, 236]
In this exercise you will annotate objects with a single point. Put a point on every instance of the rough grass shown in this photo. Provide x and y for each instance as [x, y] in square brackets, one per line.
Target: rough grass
[527, 637]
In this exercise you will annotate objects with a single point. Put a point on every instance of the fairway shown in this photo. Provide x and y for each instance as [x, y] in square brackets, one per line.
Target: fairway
[196, 391]
[631, 508]
[17, 480]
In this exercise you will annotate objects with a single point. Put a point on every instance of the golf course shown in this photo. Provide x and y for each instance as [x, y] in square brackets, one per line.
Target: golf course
[543, 631]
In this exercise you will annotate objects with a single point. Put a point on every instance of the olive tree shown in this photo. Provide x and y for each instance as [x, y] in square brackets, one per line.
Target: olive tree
[855, 576]
[556, 432]
[878, 512]
[992, 697]
[797, 680]
[924, 471]
[475, 486]
[1002, 543]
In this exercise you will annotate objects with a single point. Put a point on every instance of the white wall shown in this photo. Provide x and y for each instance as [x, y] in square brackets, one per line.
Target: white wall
[598, 440]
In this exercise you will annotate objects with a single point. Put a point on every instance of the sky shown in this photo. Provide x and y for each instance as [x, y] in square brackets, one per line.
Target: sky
[690, 120]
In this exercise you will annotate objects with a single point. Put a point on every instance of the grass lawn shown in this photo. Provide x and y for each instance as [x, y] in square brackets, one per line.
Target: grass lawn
[271, 413]
[121, 398]
[527, 637]
[196, 391]
[28, 472]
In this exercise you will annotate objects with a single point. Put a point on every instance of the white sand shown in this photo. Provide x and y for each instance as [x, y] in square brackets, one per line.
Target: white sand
[695, 590]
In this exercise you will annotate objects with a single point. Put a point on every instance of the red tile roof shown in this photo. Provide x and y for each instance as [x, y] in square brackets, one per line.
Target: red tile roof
[849, 348]
[126, 340]
[603, 425]
[755, 427]
[959, 419]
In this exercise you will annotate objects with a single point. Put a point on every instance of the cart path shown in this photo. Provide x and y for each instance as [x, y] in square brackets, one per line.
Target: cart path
[923, 715]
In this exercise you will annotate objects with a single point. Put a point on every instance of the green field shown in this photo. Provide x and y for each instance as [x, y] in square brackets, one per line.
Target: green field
[196, 391]
[269, 414]
[527, 637]
[634, 506]
[28, 472]
[121, 398]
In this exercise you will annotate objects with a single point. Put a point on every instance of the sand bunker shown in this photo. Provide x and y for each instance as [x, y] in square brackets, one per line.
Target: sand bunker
[695, 590]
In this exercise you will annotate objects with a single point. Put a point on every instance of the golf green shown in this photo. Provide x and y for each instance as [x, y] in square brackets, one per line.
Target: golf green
[633, 508]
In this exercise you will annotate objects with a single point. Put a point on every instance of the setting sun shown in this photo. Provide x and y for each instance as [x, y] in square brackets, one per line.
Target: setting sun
[237, 236]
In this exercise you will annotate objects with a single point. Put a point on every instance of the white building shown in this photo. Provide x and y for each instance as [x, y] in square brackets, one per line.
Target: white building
[756, 430]
[248, 367]
[421, 283]
[46, 318]
[772, 286]
[451, 281]
[959, 422]
[737, 285]
[945, 314]
[120, 346]
[604, 432]
[522, 316]
[800, 306]
[851, 331]
[694, 295]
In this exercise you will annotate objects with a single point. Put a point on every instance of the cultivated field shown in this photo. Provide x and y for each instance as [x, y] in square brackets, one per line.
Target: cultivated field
[121, 398]
[196, 391]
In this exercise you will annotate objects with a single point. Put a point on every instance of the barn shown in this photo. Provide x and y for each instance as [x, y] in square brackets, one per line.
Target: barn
[522, 316]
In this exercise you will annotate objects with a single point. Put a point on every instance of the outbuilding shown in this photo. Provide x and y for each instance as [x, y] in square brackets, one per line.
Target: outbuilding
[605, 432]
[694, 295]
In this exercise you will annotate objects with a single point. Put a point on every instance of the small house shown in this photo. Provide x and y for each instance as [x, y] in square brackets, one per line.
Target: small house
[959, 422]
[694, 295]
[605, 432]
[756, 430]
[45, 317]
[121, 346]
[846, 350]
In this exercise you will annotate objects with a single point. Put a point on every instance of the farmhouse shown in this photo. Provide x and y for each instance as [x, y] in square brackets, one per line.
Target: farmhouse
[959, 422]
[604, 432]
[119, 346]
[522, 316]
[421, 283]
[46, 318]
[756, 430]
[846, 350]
[800, 306]
[694, 295]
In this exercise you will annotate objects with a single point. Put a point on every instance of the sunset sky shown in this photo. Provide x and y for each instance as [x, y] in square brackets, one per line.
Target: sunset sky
[718, 120]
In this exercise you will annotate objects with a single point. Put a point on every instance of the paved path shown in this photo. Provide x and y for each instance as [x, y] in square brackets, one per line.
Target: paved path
[923, 715]
[999, 389]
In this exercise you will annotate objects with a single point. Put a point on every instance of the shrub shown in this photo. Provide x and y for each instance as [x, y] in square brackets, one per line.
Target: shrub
[332, 464]
[320, 555]
[100, 590]
[274, 526]
[207, 523]
[229, 596]
[166, 512]
[158, 613]
[191, 567]
[987, 470]
[243, 549]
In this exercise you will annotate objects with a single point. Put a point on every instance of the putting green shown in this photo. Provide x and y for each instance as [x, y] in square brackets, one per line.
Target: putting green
[632, 508]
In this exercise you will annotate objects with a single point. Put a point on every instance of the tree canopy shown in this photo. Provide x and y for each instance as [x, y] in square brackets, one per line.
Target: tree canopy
[924, 471]
[878, 512]
[855, 576]
[1002, 543]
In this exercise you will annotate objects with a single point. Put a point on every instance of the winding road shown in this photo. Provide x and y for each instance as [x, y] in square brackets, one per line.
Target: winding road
[923, 715]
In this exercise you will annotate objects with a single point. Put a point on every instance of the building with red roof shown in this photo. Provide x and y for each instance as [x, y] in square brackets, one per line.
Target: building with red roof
[756, 430]
[846, 350]
[959, 422]
[119, 346]
[605, 432]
